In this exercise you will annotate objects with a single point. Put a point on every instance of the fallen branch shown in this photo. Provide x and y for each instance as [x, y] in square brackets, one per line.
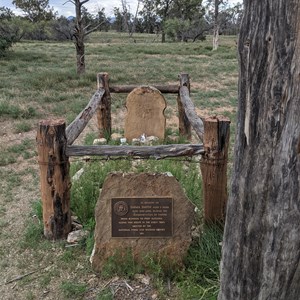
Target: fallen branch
[20, 277]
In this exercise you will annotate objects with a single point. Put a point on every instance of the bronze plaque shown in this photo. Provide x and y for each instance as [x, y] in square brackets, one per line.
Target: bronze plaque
[142, 217]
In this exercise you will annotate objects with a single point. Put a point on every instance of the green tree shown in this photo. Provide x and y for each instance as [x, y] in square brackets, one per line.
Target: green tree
[149, 16]
[35, 10]
[62, 28]
[102, 19]
[176, 28]
[118, 23]
[179, 15]
[189, 14]
[163, 8]
[10, 29]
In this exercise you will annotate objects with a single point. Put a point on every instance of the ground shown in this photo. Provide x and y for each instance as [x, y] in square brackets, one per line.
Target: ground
[40, 264]
[49, 85]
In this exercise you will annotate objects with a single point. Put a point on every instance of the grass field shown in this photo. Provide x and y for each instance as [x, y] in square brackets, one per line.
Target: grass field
[37, 81]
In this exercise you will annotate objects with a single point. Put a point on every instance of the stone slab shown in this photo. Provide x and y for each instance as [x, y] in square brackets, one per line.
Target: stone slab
[142, 186]
[145, 113]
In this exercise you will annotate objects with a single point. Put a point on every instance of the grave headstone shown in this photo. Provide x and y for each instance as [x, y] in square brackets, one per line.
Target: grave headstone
[145, 113]
[146, 213]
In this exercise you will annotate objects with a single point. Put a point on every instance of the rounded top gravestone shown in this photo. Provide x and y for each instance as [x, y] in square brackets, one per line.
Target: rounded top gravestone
[145, 113]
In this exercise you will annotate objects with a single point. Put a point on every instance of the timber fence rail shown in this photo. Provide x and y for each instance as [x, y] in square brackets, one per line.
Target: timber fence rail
[54, 143]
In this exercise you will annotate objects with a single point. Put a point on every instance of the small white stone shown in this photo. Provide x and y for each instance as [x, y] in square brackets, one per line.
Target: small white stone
[76, 236]
[101, 141]
[123, 140]
[143, 138]
[169, 174]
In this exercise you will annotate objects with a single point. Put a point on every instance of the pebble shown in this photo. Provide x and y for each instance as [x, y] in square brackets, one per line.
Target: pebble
[77, 235]
[101, 141]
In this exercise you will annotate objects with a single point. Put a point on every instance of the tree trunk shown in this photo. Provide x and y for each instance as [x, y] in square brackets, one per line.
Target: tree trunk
[163, 36]
[261, 247]
[80, 56]
[79, 38]
[216, 26]
[185, 128]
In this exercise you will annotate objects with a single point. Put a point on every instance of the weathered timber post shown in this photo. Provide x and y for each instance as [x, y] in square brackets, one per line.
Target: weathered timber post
[184, 123]
[214, 167]
[55, 181]
[104, 110]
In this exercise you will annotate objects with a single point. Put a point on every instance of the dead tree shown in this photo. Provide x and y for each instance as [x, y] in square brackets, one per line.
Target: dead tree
[261, 247]
[216, 25]
[81, 30]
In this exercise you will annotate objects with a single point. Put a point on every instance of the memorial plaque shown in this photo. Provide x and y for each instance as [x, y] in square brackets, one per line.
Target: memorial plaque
[142, 217]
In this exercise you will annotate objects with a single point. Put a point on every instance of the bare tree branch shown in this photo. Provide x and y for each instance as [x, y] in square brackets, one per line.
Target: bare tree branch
[69, 1]
[95, 28]
[82, 2]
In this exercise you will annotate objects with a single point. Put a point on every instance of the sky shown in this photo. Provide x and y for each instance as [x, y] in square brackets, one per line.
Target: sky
[67, 8]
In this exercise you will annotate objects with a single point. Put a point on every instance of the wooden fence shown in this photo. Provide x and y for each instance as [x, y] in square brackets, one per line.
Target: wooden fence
[54, 143]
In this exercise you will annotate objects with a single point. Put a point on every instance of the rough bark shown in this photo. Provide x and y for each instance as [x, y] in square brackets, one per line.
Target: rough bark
[261, 247]
[104, 108]
[54, 177]
[216, 26]
[214, 167]
[77, 126]
[184, 123]
[79, 38]
[80, 51]
[157, 152]
[190, 112]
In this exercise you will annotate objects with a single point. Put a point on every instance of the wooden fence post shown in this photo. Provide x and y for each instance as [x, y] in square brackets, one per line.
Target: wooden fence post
[54, 177]
[214, 167]
[184, 123]
[104, 110]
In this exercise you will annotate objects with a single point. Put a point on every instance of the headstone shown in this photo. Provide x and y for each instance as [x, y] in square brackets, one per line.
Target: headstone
[145, 113]
[146, 213]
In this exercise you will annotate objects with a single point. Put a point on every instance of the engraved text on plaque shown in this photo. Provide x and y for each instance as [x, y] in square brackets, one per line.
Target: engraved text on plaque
[142, 217]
